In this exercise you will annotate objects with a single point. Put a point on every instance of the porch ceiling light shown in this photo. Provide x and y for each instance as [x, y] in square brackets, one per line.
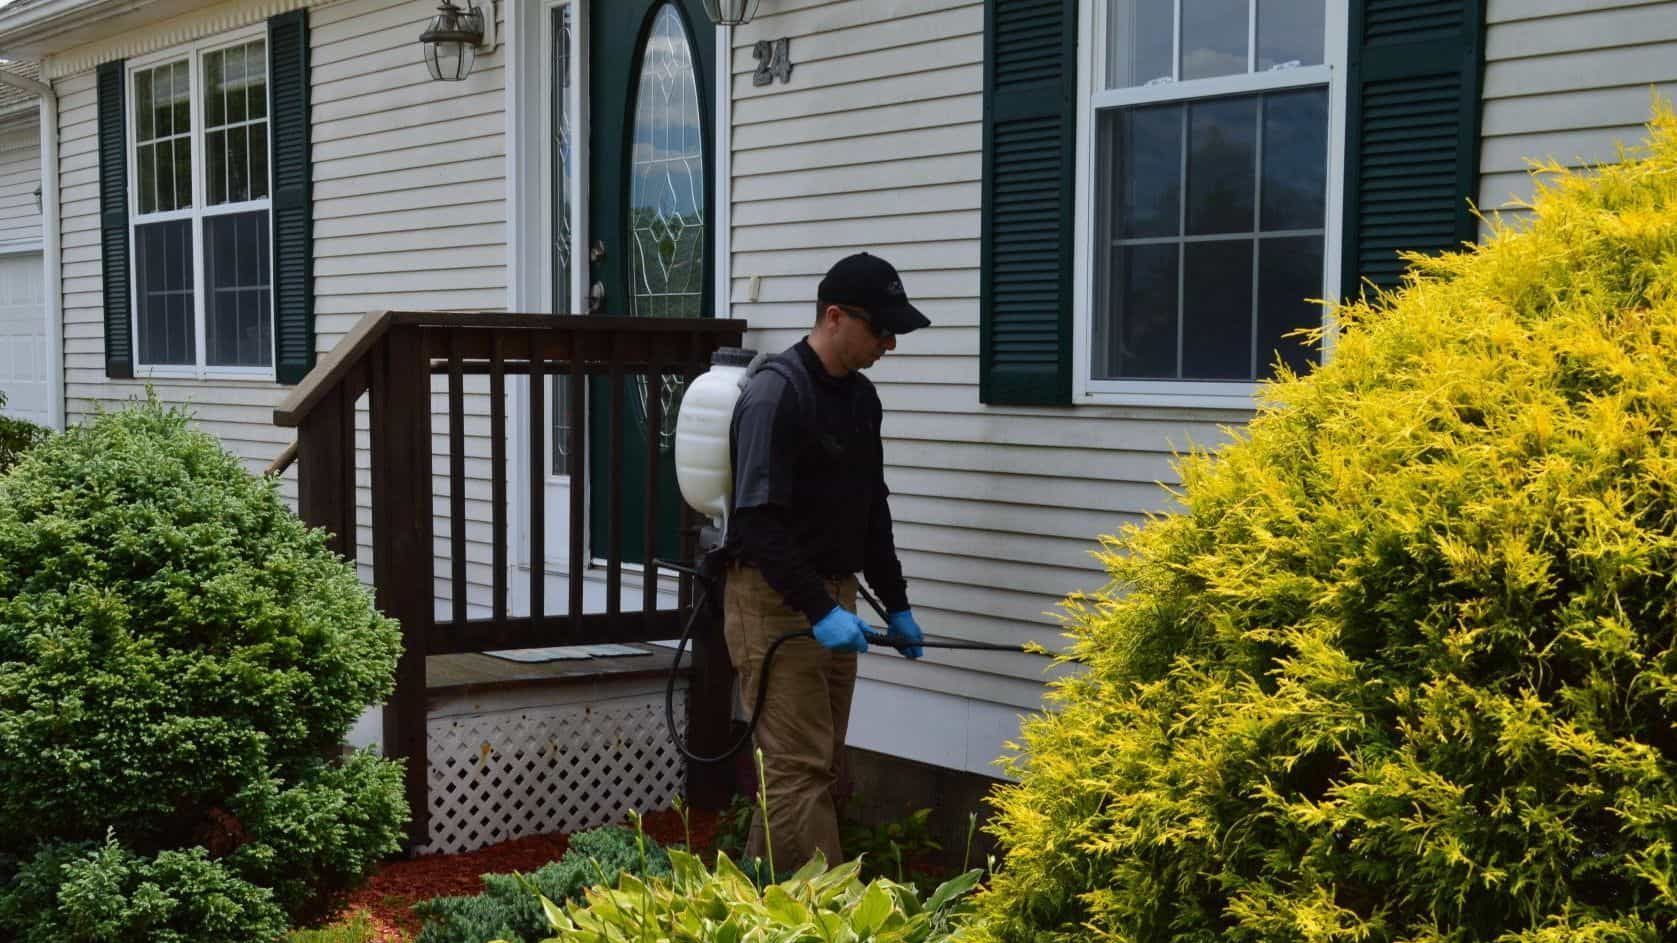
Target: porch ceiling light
[730, 12]
[451, 41]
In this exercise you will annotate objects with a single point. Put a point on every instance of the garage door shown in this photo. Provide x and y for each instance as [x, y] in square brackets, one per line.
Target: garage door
[24, 377]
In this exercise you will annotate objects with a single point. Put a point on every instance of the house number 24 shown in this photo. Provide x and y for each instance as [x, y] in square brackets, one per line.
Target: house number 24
[774, 61]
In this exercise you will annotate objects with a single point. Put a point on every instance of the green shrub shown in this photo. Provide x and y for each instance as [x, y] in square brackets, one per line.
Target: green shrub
[507, 909]
[177, 655]
[83, 893]
[1404, 667]
[724, 905]
[17, 436]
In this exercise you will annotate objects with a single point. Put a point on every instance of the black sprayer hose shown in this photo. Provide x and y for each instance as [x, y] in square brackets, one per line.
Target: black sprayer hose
[702, 598]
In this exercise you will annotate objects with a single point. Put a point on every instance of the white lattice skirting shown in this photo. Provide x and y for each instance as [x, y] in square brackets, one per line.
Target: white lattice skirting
[548, 768]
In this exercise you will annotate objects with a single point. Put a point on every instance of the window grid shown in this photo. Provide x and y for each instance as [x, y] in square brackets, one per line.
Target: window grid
[218, 301]
[1113, 98]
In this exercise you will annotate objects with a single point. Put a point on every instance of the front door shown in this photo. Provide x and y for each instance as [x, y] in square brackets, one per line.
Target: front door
[628, 197]
[650, 65]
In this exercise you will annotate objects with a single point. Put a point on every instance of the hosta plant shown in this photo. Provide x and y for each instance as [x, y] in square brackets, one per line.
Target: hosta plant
[1404, 666]
[722, 905]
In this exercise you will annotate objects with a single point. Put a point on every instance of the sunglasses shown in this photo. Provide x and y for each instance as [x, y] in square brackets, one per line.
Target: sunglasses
[883, 334]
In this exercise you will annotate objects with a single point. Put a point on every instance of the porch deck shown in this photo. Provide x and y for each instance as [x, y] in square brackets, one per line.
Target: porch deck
[392, 365]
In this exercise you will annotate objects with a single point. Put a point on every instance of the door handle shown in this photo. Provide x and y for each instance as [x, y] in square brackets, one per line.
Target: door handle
[597, 288]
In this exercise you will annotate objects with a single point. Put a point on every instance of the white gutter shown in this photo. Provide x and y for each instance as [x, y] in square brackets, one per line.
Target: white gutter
[52, 282]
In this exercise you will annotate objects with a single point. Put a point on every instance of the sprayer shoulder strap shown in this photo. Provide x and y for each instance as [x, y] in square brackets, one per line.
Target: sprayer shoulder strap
[791, 369]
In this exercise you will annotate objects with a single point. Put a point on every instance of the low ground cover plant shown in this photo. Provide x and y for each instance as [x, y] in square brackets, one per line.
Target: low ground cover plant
[1404, 667]
[179, 659]
[507, 908]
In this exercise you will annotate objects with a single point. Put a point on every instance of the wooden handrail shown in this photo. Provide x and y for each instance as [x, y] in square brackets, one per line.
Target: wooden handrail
[279, 465]
[355, 345]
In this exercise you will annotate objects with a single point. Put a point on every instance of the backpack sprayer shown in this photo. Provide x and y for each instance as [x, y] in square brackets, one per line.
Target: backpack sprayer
[704, 473]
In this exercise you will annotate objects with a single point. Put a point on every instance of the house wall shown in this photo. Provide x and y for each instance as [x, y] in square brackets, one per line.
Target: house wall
[409, 208]
[1568, 80]
[20, 174]
[875, 144]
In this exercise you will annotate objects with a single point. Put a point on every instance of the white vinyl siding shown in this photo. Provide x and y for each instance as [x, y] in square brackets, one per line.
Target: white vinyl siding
[1568, 80]
[996, 509]
[20, 177]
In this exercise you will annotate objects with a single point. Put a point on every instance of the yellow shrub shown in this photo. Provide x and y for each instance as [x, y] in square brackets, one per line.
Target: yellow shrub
[1403, 668]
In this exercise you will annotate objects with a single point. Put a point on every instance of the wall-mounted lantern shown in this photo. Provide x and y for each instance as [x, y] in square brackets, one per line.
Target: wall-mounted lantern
[451, 41]
[730, 12]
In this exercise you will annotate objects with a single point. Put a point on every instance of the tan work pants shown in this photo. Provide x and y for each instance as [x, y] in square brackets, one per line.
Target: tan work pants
[805, 714]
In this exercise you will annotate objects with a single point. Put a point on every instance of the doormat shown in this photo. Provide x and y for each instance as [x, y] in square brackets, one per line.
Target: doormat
[533, 656]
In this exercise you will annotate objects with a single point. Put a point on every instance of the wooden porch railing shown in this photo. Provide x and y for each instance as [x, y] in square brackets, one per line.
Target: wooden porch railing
[394, 357]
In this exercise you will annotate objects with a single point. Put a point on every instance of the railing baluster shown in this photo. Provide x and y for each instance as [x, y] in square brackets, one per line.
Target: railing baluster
[614, 485]
[498, 476]
[577, 451]
[538, 484]
[649, 523]
[457, 478]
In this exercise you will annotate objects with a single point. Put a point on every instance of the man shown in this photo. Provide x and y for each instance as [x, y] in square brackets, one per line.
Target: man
[810, 511]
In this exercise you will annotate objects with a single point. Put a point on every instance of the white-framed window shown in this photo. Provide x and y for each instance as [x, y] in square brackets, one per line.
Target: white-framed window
[1208, 194]
[199, 209]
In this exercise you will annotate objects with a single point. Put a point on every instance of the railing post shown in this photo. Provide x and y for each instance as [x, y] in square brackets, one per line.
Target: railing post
[710, 689]
[402, 551]
[326, 470]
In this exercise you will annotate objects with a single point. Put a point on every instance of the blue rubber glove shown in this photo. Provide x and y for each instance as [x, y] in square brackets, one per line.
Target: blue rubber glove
[903, 626]
[841, 631]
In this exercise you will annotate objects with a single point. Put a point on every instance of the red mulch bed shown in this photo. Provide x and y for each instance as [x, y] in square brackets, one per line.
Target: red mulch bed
[398, 885]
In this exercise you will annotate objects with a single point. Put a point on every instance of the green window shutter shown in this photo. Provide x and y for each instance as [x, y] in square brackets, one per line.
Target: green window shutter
[288, 77]
[113, 221]
[1030, 131]
[1412, 127]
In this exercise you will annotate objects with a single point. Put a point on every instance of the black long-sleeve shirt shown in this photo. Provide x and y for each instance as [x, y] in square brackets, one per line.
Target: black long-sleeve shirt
[810, 500]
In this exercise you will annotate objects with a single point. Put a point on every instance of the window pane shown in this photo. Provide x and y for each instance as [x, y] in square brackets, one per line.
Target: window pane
[180, 95]
[666, 179]
[1214, 38]
[1295, 159]
[165, 179]
[1289, 271]
[161, 92]
[258, 161]
[1139, 41]
[1217, 310]
[256, 76]
[145, 179]
[1146, 144]
[1222, 165]
[236, 84]
[237, 319]
[215, 108]
[163, 292]
[1141, 339]
[1289, 32]
[215, 167]
[145, 125]
[183, 172]
[238, 164]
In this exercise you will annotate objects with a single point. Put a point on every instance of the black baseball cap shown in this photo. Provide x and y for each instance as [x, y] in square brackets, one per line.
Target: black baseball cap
[872, 284]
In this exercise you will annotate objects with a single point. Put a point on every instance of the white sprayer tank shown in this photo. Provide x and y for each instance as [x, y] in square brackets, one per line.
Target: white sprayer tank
[702, 467]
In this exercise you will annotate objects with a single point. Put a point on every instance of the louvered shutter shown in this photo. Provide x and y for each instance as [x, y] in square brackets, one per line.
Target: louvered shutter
[1030, 129]
[288, 75]
[113, 222]
[1412, 125]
